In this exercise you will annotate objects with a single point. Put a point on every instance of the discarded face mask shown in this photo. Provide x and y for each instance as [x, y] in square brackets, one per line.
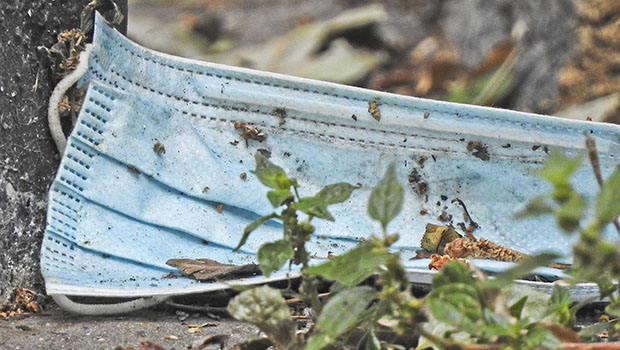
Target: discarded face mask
[152, 171]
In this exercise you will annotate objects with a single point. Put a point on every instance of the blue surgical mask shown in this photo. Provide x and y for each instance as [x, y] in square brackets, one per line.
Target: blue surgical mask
[120, 207]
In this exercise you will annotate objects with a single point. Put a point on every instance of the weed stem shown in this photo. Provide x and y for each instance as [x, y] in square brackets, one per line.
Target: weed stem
[596, 167]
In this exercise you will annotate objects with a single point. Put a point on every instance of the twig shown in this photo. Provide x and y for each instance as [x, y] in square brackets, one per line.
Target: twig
[467, 216]
[203, 309]
[596, 167]
[301, 318]
[296, 300]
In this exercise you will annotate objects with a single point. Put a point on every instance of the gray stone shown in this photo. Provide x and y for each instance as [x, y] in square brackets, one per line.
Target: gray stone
[28, 158]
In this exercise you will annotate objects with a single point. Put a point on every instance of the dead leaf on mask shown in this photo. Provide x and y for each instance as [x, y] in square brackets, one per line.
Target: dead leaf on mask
[481, 249]
[436, 237]
[209, 270]
[438, 261]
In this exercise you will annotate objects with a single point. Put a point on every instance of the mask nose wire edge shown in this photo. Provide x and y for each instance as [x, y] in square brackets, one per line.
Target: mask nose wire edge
[53, 116]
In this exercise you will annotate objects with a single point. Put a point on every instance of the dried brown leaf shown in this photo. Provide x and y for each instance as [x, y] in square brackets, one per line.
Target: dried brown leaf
[208, 270]
[436, 237]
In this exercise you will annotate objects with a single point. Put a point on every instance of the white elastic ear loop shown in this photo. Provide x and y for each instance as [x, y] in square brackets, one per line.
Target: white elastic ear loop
[107, 309]
[53, 116]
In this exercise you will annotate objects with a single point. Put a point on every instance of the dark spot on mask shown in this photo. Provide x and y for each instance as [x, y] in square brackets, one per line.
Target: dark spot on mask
[478, 150]
[418, 184]
[264, 152]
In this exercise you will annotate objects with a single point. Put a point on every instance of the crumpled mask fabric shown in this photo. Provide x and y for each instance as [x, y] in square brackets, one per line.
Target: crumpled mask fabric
[118, 210]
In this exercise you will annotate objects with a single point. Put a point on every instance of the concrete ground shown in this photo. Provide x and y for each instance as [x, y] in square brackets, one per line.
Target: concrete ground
[57, 329]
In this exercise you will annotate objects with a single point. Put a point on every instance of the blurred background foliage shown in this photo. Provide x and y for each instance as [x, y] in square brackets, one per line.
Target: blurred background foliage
[558, 57]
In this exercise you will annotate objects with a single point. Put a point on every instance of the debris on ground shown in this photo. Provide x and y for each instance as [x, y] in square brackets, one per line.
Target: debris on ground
[24, 302]
[147, 345]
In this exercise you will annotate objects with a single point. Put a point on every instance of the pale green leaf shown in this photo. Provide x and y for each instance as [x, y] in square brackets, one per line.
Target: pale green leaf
[335, 321]
[313, 206]
[386, 200]
[608, 200]
[336, 193]
[277, 197]
[264, 307]
[352, 267]
[558, 168]
[372, 342]
[271, 256]
[270, 174]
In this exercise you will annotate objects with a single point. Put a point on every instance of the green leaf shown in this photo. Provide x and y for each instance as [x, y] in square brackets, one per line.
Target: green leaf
[386, 200]
[536, 306]
[352, 267]
[277, 197]
[271, 256]
[541, 338]
[442, 330]
[253, 226]
[264, 307]
[314, 206]
[558, 168]
[336, 193]
[270, 174]
[516, 308]
[608, 200]
[372, 342]
[335, 321]
[570, 212]
[453, 272]
[560, 297]
[559, 309]
[497, 326]
[456, 304]
[613, 309]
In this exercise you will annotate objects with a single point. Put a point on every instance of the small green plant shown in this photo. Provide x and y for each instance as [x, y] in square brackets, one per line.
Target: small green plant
[465, 309]
[595, 259]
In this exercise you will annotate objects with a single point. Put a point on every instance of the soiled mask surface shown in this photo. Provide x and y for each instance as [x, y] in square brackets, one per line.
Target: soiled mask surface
[154, 169]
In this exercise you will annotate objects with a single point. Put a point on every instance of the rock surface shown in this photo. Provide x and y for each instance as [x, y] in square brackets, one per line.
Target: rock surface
[28, 157]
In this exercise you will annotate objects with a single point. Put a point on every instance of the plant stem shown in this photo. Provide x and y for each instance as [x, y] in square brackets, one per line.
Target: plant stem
[311, 293]
[565, 346]
[439, 341]
[596, 167]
